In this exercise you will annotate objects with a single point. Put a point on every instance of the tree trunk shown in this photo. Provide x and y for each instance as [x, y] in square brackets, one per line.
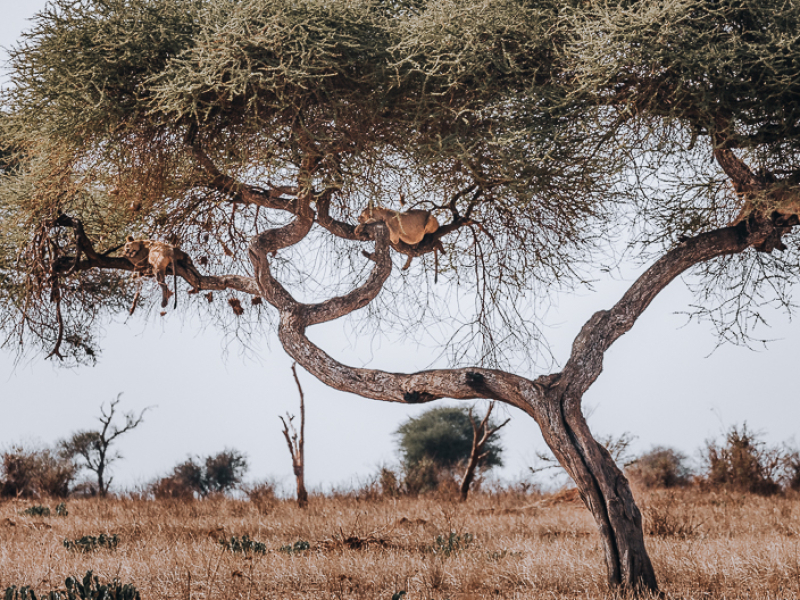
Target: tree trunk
[469, 476]
[302, 494]
[605, 492]
[554, 400]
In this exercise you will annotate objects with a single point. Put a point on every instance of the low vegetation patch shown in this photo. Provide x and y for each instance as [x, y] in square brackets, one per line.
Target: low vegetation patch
[298, 547]
[243, 545]
[37, 511]
[445, 545]
[89, 588]
[90, 543]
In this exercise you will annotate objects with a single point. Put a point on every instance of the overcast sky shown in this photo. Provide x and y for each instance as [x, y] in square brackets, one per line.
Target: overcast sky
[661, 382]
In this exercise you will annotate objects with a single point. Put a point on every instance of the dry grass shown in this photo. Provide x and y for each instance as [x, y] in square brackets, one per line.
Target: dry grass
[703, 545]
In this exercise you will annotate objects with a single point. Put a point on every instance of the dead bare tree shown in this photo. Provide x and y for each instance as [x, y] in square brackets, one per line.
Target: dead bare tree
[296, 443]
[481, 433]
[92, 448]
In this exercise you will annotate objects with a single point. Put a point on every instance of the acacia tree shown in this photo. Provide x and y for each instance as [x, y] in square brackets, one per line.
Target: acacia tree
[252, 133]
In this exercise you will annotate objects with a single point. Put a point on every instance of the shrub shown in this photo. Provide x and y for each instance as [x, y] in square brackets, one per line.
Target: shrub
[219, 473]
[244, 545]
[90, 543]
[37, 511]
[660, 468]
[89, 588]
[35, 473]
[389, 483]
[790, 474]
[422, 476]
[262, 495]
[297, 548]
[743, 463]
[451, 543]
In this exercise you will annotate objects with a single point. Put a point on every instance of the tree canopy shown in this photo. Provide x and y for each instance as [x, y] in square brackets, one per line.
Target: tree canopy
[443, 435]
[543, 135]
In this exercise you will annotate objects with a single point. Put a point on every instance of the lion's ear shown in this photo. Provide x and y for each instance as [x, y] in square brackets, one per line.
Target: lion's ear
[129, 238]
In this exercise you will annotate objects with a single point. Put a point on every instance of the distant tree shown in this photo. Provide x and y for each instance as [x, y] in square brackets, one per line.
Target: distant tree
[660, 467]
[442, 439]
[296, 442]
[38, 472]
[481, 434]
[218, 473]
[91, 449]
[224, 471]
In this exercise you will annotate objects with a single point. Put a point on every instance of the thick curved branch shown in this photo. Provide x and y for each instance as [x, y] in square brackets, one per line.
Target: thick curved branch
[87, 258]
[605, 327]
[424, 386]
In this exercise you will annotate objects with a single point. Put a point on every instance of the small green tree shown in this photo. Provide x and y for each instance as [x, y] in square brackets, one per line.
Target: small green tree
[442, 439]
[91, 449]
[214, 474]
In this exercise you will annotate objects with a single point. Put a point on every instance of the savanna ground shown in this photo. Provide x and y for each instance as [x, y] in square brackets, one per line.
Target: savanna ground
[362, 545]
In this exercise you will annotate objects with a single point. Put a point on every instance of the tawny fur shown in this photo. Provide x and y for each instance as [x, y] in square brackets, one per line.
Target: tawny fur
[409, 226]
[157, 256]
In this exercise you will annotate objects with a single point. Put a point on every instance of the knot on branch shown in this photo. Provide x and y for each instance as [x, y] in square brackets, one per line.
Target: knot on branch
[415, 397]
[765, 233]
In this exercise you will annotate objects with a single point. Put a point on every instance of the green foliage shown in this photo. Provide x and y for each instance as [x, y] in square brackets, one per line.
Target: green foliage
[443, 436]
[660, 467]
[218, 473]
[558, 126]
[61, 509]
[90, 543]
[451, 543]
[298, 547]
[244, 545]
[89, 588]
[37, 510]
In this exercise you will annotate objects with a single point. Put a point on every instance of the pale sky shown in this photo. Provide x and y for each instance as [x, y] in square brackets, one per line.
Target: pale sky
[661, 382]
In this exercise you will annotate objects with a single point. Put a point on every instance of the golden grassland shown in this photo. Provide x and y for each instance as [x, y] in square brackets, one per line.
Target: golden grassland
[362, 545]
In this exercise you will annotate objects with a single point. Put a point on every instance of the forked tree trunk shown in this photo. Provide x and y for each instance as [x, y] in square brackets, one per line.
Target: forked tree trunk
[481, 433]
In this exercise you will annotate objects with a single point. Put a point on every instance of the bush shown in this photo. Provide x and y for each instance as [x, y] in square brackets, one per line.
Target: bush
[660, 468]
[243, 545]
[89, 588]
[35, 473]
[90, 543]
[219, 473]
[743, 463]
[389, 483]
[36, 511]
[422, 476]
[262, 495]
